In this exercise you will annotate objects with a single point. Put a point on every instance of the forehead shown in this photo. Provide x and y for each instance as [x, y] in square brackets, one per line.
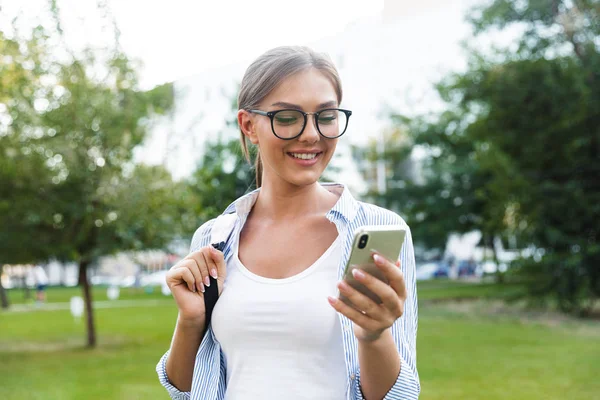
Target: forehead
[307, 89]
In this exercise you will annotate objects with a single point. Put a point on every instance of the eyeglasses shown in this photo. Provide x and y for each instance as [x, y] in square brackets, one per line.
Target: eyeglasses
[288, 124]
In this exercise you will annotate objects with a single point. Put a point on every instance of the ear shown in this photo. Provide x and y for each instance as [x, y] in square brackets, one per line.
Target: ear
[247, 125]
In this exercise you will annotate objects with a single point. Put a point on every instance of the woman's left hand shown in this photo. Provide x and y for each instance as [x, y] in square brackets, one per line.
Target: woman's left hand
[372, 319]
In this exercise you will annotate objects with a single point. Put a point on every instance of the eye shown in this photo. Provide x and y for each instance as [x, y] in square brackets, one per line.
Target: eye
[287, 117]
[328, 117]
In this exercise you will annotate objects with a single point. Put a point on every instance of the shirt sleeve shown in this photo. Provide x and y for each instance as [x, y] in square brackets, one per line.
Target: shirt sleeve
[404, 331]
[161, 370]
[200, 239]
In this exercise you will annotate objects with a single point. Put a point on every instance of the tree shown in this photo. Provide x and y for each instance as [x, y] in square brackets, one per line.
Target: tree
[3, 297]
[440, 193]
[523, 129]
[542, 112]
[69, 128]
[222, 176]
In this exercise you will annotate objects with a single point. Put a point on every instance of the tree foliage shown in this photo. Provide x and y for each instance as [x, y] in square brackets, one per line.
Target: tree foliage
[69, 123]
[517, 152]
[222, 176]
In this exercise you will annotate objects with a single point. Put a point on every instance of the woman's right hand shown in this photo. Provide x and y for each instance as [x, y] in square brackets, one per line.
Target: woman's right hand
[187, 279]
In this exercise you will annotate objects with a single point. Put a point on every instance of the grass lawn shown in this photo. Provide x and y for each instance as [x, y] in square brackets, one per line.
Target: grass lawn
[64, 294]
[462, 354]
[444, 289]
[42, 354]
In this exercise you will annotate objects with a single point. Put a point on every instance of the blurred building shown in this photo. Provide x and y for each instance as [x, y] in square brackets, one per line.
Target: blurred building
[108, 270]
[21, 275]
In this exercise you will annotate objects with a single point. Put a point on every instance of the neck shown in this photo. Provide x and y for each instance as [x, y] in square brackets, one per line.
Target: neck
[288, 202]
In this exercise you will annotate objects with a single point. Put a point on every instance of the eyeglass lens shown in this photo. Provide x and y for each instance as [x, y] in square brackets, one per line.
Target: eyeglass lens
[289, 123]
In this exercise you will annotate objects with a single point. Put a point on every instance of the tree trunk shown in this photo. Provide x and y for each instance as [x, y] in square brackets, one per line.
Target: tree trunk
[3, 296]
[89, 310]
[499, 274]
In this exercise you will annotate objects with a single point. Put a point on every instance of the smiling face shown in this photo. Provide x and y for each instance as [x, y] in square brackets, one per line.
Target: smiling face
[300, 161]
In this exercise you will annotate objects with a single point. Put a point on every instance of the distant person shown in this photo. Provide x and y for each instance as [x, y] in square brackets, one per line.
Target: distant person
[278, 330]
[41, 283]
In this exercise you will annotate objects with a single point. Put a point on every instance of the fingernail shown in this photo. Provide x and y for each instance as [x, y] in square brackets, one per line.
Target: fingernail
[213, 273]
[206, 281]
[358, 274]
[332, 300]
[202, 287]
[378, 259]
[342, 285]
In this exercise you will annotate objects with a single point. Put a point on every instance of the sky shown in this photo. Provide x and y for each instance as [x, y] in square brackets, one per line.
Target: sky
[180, 38]
[176, 39]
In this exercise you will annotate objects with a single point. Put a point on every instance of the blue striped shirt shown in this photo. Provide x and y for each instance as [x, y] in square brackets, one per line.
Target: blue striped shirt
[210, 371]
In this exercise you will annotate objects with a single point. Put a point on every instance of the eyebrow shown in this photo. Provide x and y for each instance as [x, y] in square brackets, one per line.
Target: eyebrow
[297, 107]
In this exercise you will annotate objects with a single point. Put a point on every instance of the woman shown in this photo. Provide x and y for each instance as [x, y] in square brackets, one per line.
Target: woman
[278, 331]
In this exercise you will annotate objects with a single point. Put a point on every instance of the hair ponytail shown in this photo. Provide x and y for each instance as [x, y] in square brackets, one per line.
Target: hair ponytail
[258, 167]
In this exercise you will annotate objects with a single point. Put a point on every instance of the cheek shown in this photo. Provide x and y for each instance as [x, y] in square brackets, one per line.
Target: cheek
[331, 146]
[262, 132]
[270, 146]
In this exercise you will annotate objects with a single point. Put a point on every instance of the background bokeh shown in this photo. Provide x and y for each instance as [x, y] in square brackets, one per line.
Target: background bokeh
[477, 121]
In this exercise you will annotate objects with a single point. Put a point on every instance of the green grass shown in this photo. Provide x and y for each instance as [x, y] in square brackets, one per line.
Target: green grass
[478, 356]
[42, 354]
[444, 289]
[463, 353]
[64, 294]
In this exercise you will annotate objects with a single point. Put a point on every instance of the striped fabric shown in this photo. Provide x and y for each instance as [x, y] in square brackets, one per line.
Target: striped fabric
[209, 379]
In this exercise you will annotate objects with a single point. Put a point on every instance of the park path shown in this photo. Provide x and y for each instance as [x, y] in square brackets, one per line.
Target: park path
[20, 308]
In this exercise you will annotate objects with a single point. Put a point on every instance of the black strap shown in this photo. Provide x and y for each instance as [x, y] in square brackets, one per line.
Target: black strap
[211, 294]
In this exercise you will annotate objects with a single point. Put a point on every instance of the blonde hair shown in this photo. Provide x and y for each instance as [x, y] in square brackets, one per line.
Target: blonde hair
[268, 71]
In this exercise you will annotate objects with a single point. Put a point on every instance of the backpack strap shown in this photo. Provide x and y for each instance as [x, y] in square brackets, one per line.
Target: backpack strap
[219, 236]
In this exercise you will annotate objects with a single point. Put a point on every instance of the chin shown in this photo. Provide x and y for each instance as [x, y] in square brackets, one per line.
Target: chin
[306, 178]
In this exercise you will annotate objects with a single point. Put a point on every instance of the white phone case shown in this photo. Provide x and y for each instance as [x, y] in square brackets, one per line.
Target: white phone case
[386, 240]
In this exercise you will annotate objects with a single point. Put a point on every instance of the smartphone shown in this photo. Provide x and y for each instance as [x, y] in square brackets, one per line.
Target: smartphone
[386, 240]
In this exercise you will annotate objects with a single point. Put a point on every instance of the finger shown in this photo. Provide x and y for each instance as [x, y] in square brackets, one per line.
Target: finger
[393, 273]
[219, 260]
[360, 319]
[186, 275]
[212, 266]
[360, 301]
[204, 269]
[193, 264]
[386, 293]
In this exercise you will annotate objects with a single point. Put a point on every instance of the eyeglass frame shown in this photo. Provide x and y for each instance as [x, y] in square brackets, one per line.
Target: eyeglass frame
[271, 115]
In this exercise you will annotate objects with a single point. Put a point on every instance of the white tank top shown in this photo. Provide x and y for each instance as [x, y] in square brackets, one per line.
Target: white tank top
[280, 337]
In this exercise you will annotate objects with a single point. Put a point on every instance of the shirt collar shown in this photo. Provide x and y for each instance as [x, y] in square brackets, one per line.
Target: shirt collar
[346, 207]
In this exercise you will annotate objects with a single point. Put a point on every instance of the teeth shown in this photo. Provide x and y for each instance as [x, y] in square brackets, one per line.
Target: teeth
[304, 156]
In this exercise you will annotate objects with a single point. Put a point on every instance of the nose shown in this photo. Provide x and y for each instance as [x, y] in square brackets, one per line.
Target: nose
[310, 133]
